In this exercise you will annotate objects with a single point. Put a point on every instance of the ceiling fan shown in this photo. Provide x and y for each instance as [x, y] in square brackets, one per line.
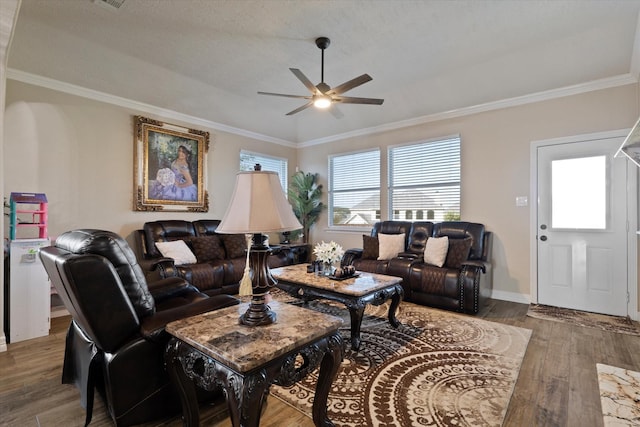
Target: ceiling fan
[322, 95]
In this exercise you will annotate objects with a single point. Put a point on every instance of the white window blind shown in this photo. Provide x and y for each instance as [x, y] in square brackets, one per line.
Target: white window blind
[354, 188]
[424, 181]
[249, 159]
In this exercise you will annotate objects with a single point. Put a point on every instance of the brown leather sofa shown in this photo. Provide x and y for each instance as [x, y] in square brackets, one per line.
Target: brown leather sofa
[460, 284]
[117, 338]
[220, 257]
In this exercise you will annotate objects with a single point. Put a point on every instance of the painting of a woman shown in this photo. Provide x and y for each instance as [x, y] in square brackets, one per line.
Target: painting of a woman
[175, 183]
[169, 172]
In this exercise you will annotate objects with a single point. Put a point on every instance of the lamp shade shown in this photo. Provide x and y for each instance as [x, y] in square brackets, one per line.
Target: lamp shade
[258, 205]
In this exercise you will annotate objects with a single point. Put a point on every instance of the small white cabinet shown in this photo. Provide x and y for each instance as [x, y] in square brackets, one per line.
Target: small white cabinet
[29, 291]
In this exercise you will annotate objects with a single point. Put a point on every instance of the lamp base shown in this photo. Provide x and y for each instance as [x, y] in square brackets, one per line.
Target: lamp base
[258, 313]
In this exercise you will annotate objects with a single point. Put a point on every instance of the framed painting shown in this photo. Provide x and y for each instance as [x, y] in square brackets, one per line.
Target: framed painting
[169, 167]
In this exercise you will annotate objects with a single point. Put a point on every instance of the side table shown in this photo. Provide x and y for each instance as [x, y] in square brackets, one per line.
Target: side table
[213, 350]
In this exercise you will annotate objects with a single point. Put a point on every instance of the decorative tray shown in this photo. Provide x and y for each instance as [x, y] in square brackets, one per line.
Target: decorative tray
[343, 277]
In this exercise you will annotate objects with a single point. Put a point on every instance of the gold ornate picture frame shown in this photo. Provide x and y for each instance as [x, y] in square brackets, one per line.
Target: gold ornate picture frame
[169, 167]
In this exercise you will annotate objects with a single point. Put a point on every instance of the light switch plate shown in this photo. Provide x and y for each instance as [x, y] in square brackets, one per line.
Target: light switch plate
[522, 201]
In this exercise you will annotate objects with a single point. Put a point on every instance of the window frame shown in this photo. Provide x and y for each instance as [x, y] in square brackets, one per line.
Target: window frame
[390, 179]
[284, 180]
[331, 192]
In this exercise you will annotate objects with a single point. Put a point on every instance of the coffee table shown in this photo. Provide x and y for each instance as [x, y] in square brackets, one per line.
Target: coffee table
[213, 350]
[355, 293]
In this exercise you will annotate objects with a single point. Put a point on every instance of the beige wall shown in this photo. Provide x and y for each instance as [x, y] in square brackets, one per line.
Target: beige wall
[8, 16]
[80, 153]
[495, 167]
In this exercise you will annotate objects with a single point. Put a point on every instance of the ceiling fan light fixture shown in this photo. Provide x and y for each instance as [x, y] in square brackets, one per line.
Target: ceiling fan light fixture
[322, 101]
[322, 95]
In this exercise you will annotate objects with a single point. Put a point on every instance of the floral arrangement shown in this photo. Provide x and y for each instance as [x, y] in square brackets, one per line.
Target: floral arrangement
[328, 252]
[166, 177]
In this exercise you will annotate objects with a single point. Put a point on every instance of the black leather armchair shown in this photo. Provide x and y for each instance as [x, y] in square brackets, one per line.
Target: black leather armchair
[116, 339]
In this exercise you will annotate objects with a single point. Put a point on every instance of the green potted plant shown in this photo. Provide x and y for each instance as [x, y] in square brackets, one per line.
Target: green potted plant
[305, 196]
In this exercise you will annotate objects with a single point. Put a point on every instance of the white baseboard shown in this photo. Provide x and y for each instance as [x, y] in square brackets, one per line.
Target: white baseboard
[511, 296]
[3, 343]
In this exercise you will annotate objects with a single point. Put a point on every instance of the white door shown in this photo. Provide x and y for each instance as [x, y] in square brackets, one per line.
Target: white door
[582, 226]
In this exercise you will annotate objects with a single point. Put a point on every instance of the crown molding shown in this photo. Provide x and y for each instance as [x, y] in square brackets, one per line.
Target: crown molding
[620, 80]
[607, 83]
[83, 92]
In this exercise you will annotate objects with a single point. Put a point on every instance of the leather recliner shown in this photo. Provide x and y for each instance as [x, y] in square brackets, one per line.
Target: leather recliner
[116, 339]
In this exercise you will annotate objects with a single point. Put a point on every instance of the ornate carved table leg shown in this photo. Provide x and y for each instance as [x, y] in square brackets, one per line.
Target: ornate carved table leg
[356, 312]
[252, 393]
[395, 302]
[328, 371]
[186, 390]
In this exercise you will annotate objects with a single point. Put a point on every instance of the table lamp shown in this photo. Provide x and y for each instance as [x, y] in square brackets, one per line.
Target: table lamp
[258, 205]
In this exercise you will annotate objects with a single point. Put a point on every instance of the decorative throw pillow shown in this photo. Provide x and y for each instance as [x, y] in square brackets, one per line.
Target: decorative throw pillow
[369, 247]
[178, 250]
[390, 245]
[435, 253]
[458, 252]
[234, 244]
[207, 248]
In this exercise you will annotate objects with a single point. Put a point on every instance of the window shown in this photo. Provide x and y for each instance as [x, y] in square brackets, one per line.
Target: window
[425, 177]
[354, 188]
[249, 159]
[579, 193]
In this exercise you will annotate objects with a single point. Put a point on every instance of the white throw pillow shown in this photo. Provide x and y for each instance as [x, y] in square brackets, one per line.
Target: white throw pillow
[178, 250]
[390, 245]
[435, 253]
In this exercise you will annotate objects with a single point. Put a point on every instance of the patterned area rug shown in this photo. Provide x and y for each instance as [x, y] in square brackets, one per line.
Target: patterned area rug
[622, 325]
[619, 395]
[437, 369]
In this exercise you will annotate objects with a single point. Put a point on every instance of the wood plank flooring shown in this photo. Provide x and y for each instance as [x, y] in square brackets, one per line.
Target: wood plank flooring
[557, 385]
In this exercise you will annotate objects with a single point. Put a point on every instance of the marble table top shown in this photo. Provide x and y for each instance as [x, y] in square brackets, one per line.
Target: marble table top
[363, 284]
[243, 348]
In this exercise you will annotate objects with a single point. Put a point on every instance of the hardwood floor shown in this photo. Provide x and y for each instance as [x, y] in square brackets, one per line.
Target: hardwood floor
[557, 385]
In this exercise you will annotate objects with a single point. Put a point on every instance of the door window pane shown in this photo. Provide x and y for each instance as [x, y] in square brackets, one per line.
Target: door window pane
[579, 193]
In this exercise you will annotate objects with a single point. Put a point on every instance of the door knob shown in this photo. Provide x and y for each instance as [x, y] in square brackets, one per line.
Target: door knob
[543, 238]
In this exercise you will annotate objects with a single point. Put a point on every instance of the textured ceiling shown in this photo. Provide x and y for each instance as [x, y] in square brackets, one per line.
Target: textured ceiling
[208, 58]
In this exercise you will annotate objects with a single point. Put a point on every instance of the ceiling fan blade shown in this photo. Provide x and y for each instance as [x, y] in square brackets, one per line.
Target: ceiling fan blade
[352, 100]
[287, 96]
[305, 81]
[297, 110]
[350, 84]
[335, 111]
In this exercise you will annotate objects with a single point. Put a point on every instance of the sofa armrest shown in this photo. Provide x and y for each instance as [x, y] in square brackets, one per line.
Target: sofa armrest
[475, 264]
[350, 255]
[169, 287]
[159, 268]
[476, 282]
[152, 327]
